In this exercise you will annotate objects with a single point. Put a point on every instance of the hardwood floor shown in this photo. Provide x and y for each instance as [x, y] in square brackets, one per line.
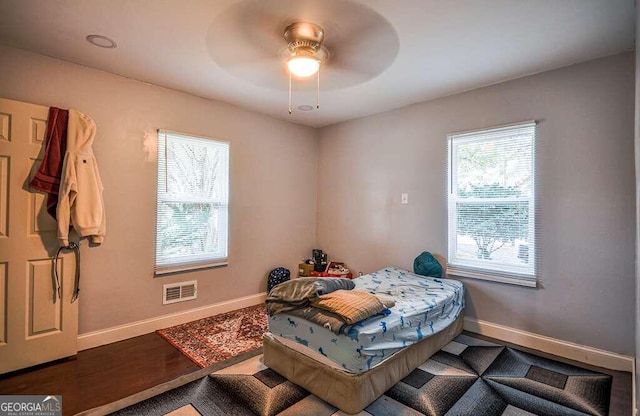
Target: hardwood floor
[102, 375]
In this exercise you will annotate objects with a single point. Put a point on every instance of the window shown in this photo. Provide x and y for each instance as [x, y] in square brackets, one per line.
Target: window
[193, 203]
[491, 204]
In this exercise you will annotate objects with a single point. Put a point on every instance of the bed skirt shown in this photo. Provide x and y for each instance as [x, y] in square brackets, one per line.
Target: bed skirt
[350, 392]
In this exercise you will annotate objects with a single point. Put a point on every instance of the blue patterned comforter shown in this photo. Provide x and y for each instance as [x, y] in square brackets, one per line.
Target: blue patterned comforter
[424, 306]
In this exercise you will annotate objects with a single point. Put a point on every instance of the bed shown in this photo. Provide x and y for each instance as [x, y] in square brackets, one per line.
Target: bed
[353, 369]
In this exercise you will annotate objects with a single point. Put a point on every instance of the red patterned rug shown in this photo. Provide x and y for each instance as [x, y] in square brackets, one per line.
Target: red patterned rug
[217, 338]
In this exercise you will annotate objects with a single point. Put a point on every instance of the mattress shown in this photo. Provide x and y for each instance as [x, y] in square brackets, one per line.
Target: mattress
[424, 307]
[347, 391]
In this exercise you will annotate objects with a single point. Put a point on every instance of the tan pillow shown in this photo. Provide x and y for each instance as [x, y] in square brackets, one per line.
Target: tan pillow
[352, 305]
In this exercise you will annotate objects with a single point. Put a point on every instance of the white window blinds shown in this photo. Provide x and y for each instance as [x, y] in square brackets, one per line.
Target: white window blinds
[491, 204]
[193, 203]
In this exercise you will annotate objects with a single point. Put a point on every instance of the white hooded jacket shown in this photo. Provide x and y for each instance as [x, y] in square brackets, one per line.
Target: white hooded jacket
[80, 202]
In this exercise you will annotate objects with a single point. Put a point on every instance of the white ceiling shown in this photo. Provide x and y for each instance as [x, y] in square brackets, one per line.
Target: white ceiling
[418, 49]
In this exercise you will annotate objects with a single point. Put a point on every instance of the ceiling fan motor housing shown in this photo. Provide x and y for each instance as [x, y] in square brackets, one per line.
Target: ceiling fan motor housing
[304, 38]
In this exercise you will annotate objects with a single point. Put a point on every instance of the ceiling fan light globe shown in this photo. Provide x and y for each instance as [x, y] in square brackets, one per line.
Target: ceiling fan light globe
[303, 66]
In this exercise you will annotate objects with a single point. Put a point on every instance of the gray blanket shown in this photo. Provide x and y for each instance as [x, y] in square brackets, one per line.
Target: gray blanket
[324, 318]
[297, 293]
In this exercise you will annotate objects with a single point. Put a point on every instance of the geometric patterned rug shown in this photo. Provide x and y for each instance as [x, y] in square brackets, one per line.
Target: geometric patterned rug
[220, 337]
[468, 376]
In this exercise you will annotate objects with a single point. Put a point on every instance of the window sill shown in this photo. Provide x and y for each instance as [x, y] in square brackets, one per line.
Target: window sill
[166, 270]
[483, 275]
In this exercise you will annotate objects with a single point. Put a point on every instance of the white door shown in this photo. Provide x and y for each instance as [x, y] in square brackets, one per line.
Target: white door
[35, 326]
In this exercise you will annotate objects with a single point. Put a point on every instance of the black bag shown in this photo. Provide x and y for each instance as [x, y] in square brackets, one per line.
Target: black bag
[277, 276]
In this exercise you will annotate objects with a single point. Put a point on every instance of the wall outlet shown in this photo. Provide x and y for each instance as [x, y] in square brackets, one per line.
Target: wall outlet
[404, 198]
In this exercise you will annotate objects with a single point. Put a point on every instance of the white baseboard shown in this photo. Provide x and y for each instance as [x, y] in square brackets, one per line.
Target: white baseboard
[576, 352]
[134, 329]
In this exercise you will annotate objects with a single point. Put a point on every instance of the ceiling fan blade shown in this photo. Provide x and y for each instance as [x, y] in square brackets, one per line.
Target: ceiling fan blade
[256, 35]
[336, 77]
[268, 73]
[353, 36]
[366, 45]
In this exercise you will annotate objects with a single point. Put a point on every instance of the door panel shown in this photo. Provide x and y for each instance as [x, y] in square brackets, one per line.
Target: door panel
[39, 219]
[4, 195]
[38, 130]
[35, 326]
[3, 304]
[5, 125]
[43, 316]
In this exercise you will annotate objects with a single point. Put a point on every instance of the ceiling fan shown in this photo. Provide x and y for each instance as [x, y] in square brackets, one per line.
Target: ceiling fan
[260, 41]
[305, 45]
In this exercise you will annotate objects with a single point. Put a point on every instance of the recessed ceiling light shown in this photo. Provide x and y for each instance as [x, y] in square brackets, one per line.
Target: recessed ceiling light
[305, 107]
[101, 41]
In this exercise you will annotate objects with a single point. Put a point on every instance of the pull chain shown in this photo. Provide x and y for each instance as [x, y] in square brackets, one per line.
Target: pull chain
[290, 92]
[317, 90]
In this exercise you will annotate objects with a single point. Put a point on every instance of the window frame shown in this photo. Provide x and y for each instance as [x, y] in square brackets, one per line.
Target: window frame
[191, 262]
[480, 269]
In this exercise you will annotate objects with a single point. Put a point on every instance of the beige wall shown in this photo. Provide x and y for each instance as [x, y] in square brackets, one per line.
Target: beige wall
[585, 183]
[272, 196]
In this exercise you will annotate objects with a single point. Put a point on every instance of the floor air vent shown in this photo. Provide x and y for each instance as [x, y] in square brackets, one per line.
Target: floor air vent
[179, 292]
